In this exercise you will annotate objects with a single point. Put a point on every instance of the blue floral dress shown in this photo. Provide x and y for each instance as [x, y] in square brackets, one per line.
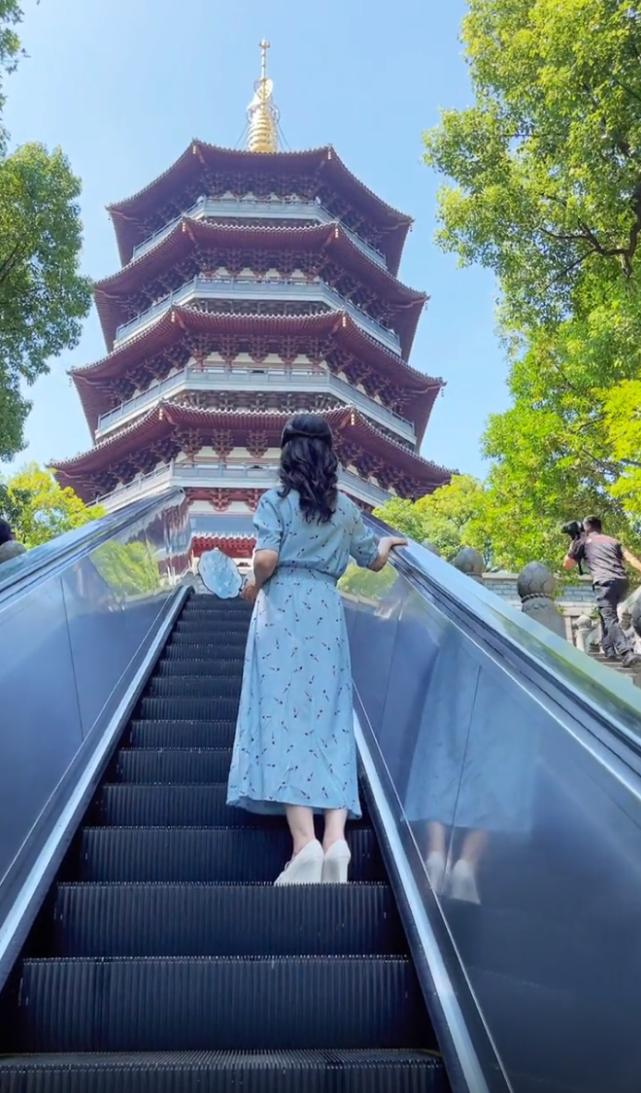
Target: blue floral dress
[294, 737]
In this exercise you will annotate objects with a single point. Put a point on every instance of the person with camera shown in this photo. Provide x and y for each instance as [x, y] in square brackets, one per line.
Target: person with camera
[605, 557]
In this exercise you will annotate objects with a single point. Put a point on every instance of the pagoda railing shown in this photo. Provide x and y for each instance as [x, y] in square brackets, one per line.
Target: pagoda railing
[249, 207]
[219, 476]
[238, 288]
[219, 378]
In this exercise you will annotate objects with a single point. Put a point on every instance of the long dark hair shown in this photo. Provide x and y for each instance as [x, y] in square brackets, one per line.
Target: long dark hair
[308, 464]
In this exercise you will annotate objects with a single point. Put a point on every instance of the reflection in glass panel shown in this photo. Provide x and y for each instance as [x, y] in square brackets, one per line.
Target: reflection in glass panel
[74, 643]
[530, 833]
[39, 719]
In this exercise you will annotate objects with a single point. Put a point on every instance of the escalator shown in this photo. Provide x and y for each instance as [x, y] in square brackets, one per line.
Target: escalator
[165, 958]
[143, 946]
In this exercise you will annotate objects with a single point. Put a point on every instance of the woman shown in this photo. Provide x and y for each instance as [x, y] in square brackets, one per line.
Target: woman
[294, 750]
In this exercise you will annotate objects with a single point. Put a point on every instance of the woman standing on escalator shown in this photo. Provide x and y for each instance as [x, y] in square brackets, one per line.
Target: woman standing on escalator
[294, 750]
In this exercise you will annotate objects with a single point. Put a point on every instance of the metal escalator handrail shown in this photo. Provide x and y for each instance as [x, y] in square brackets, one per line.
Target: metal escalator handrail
[22, 571]
[611, 706]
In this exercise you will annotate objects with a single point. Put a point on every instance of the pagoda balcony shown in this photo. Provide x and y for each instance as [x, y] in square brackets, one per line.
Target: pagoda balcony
[218, 378]
[216, 476]
[205, 288]
[243, 208]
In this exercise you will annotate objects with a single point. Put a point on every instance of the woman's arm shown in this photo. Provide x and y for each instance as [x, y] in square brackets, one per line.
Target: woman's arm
[265, 562]
[385, 546]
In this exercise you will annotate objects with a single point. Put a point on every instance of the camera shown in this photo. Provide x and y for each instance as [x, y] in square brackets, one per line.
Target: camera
[574, 528]
[576, 531]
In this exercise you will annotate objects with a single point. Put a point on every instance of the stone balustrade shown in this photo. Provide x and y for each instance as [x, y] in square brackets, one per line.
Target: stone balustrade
[571, 614]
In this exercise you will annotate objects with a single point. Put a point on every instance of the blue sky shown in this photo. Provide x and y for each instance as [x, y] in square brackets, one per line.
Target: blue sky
[124, 85]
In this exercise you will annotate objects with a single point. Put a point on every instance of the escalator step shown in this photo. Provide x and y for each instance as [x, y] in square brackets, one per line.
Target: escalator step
[226, 920]
[231, 614]
[219, 618]
[222, 652]
[179, 765]
[186, 708]
[328, 1071]
[211, 633]
[208, 1003]
[209, 602]
[182, 734]
[208, 686]
[183, 806]
[226, 639]
[223, 855]
[209, 666]
[237, 628]
[168, 806]
[213, 625]
[237, 612]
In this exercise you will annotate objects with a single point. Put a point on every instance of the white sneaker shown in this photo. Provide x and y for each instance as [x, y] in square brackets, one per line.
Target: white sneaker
[435, 866]
[305, 868]
[462, 883]
[336, 863]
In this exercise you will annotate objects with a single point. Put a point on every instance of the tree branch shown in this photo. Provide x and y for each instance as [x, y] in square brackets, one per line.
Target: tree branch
[9, 263]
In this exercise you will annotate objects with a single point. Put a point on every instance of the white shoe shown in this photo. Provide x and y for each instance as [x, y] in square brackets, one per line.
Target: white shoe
[305, 868]
[336, 863]
[435, 866]
[462, 883]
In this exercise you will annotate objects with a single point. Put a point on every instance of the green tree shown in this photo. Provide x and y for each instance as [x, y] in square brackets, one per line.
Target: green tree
[38, 508]
[43, 298]
[451, 517]
[10, 16]
[547, 173]
[623, 429]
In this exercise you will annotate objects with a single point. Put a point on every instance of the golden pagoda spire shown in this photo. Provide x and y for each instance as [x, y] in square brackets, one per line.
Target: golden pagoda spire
[262, 114]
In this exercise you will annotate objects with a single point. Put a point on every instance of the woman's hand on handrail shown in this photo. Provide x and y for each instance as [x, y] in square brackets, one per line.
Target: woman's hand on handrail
[385, 547]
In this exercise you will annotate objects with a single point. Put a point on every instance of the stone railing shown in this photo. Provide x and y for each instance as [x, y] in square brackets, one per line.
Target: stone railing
[572, 614]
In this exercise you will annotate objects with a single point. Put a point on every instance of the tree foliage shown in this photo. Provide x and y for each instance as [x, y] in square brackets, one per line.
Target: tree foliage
[547, 193]
[364, 582]
[43, 298]
[38, 508]
[451, 517]
[129, 569]
[10, 16]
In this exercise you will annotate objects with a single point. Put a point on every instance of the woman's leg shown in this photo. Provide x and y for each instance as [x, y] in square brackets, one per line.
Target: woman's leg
[306, 864]
[463, 876]
[436, 838]
[335, 819]
[473, 846]
[435, 861]
[337, 852]
[301, 826]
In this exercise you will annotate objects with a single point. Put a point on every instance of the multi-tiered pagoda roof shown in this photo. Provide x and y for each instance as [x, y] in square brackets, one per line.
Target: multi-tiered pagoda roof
[314, 176]
[254, 284]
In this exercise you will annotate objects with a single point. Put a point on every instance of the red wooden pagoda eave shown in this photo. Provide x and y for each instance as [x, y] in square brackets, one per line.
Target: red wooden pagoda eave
[91, 380]
[165, 416]
[188, 235]
[131, 214]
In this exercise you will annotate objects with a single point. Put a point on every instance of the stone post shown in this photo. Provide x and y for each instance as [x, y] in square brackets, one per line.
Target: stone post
[430, 546]
[584, 627]
[469, 561]
[536, 588]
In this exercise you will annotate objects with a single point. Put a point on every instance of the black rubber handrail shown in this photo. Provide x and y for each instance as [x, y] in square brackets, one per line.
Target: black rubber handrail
[66, 548]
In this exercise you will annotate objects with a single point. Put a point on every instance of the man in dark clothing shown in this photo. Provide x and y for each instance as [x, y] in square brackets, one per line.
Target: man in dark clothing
[605, 557]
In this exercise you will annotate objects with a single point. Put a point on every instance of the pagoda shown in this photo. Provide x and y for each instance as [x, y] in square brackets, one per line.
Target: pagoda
[254, 284]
